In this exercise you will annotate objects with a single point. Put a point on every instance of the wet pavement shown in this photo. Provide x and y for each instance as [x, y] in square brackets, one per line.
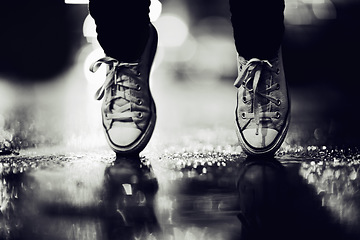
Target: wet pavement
[300, 194]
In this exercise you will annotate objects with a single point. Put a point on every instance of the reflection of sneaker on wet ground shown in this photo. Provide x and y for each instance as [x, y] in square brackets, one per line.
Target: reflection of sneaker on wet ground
[262, 189]
[128, 110]
[130, 189]
[263, 107]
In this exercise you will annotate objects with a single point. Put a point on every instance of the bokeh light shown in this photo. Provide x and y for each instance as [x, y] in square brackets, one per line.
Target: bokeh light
[89, 28]
[173, 31]
[309, 12]
[324, 9]
[155, 10]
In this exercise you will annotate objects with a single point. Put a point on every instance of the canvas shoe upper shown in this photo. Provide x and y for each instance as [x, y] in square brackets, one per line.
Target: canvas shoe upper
[262, 109]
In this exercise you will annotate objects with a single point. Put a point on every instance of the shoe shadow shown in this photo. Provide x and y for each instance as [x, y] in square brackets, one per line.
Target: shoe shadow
[276, 203]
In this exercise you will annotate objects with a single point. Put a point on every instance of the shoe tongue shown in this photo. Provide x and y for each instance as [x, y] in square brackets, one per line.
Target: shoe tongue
[119, 102]
[262, 88]
[117, 107]
[242, 60]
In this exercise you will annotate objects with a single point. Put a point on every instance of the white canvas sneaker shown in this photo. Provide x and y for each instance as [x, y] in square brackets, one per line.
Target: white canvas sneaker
[128, 109]
[263, 105]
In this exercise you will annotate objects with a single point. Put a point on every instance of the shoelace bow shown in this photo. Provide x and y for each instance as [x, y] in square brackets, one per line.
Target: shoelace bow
[112, 80]
[252, 72]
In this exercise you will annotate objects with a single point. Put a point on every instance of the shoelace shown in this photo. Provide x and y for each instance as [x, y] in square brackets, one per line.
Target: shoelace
[113, 80]
[252, 72]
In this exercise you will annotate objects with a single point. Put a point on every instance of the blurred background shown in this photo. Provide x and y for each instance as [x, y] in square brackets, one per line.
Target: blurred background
[46, 48]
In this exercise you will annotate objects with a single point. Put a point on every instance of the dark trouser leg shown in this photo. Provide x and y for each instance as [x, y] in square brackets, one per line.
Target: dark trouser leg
[258, 27]
[122, 27]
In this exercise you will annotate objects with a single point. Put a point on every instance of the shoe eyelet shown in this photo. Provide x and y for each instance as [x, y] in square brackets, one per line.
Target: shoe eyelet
[278, 71]
[277, 86]
[139, 102]
[278, 102]
[243, 115]
[140, 115]
[138, 87]
[277, 115]
[244, 99]
[138, 73]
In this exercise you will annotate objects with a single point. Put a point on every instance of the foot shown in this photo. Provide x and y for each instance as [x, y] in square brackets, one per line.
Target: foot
[128, 109]
[263, 108]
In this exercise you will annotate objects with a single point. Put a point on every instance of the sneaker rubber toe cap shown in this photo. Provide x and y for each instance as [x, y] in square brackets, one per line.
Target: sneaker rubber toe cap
[263, 139]
[123, 136]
